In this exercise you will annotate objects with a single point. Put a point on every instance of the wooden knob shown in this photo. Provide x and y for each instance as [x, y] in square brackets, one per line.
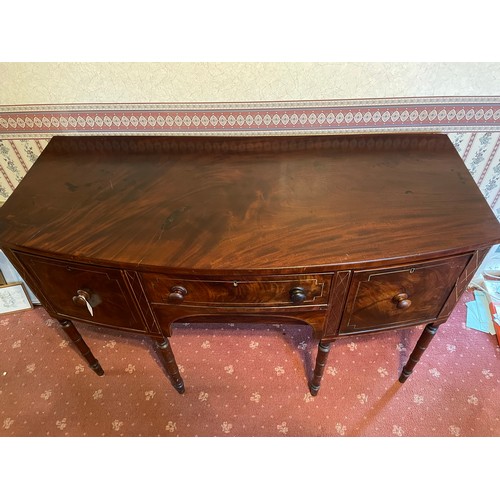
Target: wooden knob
[297, 295]
[81, 298]
[177, 294]
[404, 304]
[402, 301]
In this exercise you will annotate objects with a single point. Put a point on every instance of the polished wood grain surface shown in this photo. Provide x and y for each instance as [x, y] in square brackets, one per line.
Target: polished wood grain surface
[193, 204]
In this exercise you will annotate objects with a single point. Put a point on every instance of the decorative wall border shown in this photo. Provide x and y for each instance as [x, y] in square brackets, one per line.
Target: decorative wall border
[438, 114]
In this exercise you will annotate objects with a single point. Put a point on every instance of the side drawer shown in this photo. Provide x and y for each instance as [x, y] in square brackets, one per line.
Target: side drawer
[69, 287]
[389, 298]
[270, 291]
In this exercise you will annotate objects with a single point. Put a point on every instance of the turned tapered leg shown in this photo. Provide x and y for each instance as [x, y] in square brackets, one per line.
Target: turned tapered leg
[78, 341]
[171, 366]
[323, 350]
[424, 340]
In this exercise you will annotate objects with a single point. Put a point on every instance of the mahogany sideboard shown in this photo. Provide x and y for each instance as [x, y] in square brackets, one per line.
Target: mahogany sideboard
[349, 234]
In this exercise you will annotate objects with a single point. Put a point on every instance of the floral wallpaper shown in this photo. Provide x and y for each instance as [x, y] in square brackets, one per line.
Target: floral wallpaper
[481, 154]
[16, 157]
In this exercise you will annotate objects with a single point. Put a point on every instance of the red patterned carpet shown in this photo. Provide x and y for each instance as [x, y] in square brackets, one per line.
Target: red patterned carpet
[246, 380]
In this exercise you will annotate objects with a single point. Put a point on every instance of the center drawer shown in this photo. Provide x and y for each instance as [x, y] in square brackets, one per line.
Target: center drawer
[273, 291]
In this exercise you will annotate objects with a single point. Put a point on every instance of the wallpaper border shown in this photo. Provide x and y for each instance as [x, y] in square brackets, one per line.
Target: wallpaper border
[432, 114]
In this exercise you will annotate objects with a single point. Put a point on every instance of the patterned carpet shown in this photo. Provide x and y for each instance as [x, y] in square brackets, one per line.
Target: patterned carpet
[246, 380]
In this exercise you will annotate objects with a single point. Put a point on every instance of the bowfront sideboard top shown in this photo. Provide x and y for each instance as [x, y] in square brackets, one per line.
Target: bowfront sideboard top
[350, 234]
[215, 204]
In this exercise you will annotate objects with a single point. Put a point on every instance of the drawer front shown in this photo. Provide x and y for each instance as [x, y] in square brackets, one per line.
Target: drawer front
[388, 298]
[297, 290]
[84, 292]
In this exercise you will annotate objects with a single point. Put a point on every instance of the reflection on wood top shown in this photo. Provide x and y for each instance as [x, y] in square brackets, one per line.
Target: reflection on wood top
[236, 203]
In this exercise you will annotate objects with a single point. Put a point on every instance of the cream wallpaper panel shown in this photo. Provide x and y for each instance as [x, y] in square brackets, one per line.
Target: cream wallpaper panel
[63, 83]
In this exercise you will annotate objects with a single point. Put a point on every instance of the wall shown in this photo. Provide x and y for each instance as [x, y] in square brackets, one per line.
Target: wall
[69, 83]
[43, 99]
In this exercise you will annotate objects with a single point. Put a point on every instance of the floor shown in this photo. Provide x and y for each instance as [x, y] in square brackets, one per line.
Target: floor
[246, 380]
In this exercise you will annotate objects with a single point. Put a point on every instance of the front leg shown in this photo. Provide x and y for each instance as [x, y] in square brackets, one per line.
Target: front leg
[170, 365]
[321, 359]
[80, 344]
[424, 340]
